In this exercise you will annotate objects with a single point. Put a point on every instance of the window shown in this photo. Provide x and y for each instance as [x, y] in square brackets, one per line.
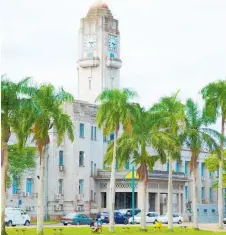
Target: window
[112, 136]
[127, 166]
[91, 168]
[95, 166]
[91, 195]
[61, 158]
[211, 194]
[81, 130]
[186, 167]
[103, 200]
[205, 210]
[112, 55]
[89, 84]
[178, 166]
[203, 193]
[15, 186]
[186, 192]
[61, 186]
[116, 165]
[94, 197]
[213, 211]
[210, 174]
[167, 167]
[81, 158]
[218, 173]
[89, 54]
[202, 169]
[29, 185]
[93, 133]
[105, 139]
[81, 186]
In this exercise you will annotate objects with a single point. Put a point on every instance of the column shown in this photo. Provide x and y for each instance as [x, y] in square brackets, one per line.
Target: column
[124, 200]
[179, 203]
[147, 201]
[182, 203]
[157, 202]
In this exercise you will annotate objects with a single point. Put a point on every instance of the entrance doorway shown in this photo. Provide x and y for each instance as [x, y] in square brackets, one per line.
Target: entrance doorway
[124, 200]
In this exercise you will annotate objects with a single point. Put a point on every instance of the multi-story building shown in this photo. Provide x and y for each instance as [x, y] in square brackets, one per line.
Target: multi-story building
[75, 176]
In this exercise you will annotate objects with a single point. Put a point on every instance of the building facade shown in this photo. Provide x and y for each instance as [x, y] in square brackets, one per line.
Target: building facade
[75, 178]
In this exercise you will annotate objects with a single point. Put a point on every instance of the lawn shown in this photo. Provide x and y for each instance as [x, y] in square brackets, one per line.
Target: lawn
[47, 222]
[118, 230]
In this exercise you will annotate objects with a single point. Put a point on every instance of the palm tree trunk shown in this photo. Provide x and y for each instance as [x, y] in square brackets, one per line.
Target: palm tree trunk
[143, 191]
[220, 181]
[170, 196]
[112, 186]
[40, 209]
[194, 195]
[4, 165]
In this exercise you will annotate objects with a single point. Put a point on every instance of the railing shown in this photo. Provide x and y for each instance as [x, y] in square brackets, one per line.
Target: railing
[103, 174]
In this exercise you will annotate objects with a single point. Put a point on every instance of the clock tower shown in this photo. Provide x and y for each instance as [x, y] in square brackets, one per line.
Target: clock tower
[99, 60]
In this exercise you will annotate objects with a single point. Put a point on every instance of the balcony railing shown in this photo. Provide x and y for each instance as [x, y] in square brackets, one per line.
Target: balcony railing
[156, 174]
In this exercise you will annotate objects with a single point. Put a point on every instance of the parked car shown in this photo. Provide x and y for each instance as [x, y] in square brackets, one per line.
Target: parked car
[128, 212]
[16, 216]
[224, 220]
[151, 217]
[75, 219]
[119, 217]
[177, 218]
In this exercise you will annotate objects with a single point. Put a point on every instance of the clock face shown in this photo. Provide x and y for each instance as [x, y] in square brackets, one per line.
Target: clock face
[90, 42]
[112, 42]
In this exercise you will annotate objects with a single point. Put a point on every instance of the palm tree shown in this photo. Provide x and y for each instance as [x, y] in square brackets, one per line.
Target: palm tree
[115, 109]
[11, 103]
[171, 118]
[136, 144]
[197, 137]
[214, 95]
[47, 113]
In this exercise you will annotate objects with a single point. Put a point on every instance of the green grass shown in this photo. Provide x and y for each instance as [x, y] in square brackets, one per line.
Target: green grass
[47, 222]
[118, 230]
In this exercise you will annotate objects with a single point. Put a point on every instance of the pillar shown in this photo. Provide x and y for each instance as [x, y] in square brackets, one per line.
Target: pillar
[179, 202]
[147, 201]
[157, 203]
[124, 201]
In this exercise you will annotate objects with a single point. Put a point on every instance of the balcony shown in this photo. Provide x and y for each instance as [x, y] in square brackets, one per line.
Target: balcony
[156, 174]
[89, 62]
[113, 63]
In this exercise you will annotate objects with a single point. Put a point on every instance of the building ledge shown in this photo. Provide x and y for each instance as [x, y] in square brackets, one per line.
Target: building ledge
[89, 62]
[162, 175]
[113, 63]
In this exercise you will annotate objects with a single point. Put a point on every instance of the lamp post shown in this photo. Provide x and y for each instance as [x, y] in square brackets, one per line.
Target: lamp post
[130, 178]
[133, 196]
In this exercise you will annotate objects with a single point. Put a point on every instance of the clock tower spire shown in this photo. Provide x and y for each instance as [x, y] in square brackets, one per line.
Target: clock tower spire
[99, 60]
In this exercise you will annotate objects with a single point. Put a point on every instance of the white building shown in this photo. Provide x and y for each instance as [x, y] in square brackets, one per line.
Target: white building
[75, 178]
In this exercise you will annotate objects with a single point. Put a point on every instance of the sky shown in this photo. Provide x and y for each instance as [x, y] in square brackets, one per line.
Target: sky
[166, 45]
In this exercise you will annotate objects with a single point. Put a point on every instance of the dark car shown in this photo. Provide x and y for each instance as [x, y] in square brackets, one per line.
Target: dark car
[75, 219]
[128, 212]
[119, 217]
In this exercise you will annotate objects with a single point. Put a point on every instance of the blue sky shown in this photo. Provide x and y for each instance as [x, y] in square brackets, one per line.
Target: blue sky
[165, 45]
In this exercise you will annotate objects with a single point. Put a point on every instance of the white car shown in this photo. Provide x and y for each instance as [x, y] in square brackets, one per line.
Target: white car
[224, 220]
[16, 216]
[151, 217]
[177, 218]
